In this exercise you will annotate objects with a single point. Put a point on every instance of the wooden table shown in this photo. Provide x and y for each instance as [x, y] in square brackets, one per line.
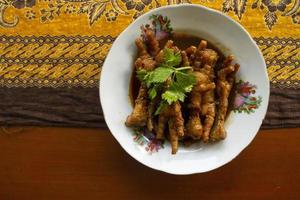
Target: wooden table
[68, 163]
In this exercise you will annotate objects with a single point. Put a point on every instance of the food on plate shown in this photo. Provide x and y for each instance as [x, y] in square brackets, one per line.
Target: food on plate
[181, 85]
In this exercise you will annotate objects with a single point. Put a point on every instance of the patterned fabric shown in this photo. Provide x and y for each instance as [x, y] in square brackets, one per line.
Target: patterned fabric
[57, 47]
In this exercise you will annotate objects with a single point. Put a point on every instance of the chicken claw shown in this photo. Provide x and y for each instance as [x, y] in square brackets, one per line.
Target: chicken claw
[138, 117]
[226, 78]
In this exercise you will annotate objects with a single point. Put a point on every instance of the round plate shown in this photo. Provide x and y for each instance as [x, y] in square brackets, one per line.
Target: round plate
[241, 125]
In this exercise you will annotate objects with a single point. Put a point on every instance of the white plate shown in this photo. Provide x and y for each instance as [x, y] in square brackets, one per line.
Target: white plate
[241, 128]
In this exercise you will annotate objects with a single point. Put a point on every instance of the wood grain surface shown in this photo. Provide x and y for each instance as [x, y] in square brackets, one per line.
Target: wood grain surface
[68, 163]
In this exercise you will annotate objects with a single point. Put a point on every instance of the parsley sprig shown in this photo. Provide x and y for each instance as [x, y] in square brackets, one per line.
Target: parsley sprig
[168, 79]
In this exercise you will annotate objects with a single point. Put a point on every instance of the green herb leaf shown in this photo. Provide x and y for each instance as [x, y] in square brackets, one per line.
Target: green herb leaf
[141, 74]
[170, 58]
[160, 74]
[185, 80]
[173, 94]
[152, 92]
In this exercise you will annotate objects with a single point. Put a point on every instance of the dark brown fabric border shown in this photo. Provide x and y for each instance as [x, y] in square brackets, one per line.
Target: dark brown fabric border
[80, 107]
[284, 109]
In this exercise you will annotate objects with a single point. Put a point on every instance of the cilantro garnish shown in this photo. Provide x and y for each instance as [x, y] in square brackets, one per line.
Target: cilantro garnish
[170, 58]
[169, 79]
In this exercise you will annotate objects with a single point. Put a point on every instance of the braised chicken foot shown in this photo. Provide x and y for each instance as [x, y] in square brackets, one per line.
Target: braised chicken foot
[203, 85]
[138, 117]
[226, 78]
[172, 117]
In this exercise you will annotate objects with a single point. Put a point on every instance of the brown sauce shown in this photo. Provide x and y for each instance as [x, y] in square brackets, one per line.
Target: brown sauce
[182, 41]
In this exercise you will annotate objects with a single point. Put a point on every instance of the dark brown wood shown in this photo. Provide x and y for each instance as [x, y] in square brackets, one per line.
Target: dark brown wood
[69, 163]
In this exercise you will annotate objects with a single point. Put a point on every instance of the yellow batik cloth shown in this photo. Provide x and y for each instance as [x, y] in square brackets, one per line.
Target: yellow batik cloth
[63, 43]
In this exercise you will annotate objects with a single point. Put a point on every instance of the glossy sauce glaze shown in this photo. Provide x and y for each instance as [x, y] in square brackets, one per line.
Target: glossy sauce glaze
[182, 41]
